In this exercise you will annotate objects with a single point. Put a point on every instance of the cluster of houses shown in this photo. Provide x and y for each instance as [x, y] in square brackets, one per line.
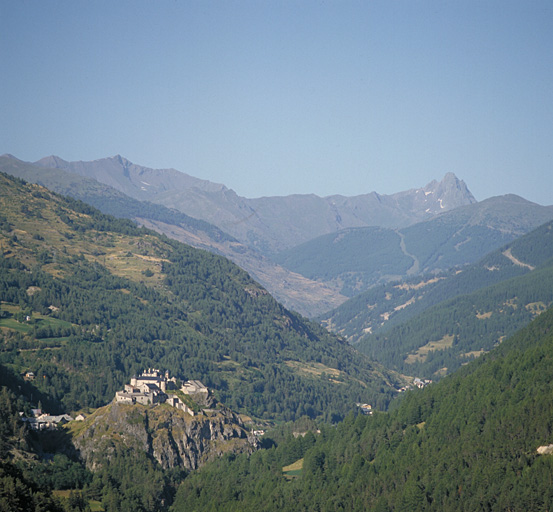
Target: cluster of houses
[365, 408]
[417, 383]
[151, 387]
[155, 387]
[43, 421]
[421, 383]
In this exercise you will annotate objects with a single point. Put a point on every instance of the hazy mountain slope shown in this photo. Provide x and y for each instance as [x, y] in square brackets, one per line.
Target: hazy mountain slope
[201, 199]
[105, 197]
[470, 232]
[384, 306]
[291, 289]
[446, 335]
[353, 260]
[295, 291]
[90, 300]
[468, 442]
[270, 224]
[129, 178]
[305, 217]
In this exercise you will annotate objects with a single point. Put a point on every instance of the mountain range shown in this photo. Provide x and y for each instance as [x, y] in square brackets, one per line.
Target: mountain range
[269, 224]
[373, 238]
[291, 289]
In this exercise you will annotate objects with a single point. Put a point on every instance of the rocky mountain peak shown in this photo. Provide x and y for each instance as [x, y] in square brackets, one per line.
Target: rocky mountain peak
[52, 161]
[447, 194]
[120, 160]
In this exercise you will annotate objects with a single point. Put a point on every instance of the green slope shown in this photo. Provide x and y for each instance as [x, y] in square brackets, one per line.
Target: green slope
[354, 260]
[383, 307]
[451, 333]
[467, 443]
[105, 299]
[448, 334]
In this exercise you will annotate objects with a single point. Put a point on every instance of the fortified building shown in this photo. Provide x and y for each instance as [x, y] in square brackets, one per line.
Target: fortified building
[155, 387]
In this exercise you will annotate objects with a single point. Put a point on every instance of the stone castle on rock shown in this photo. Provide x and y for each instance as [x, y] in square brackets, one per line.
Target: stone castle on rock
[155, 387]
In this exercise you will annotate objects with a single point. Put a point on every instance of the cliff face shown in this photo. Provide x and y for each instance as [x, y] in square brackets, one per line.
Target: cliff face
[170, 436]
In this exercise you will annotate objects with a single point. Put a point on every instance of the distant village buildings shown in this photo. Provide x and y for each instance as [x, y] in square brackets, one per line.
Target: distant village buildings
[155, 387]
[43, 421]
[418, 383]
[150, 387]
[365, 408]
[421, 383]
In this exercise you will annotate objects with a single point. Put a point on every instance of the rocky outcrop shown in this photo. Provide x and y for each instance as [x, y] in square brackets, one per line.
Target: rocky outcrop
[170, 436]
[545, 450]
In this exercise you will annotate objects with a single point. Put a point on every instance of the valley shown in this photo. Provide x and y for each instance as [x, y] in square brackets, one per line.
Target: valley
[291, 256]
[89, 300]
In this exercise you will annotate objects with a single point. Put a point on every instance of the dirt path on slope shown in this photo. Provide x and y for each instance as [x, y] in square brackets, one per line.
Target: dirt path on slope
[416, 265]
[509, 255]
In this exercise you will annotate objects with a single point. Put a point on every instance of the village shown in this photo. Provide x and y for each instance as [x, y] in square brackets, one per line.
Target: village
[41, 420]
[417, 383]
[151, 387]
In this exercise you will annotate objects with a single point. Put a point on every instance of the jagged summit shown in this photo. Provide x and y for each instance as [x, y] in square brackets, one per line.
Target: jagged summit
[117, 160]
[52, 161]
[447, 194]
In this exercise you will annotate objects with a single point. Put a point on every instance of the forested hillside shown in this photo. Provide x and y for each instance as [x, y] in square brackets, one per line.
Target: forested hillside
[89, 300]
[447, 335]
[42, 471]
[467, 443]
[18, 492]
[292, 290]
[354, 260]
[385, 306]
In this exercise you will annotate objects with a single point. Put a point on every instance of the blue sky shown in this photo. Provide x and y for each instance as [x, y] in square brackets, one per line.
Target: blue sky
[292, 96]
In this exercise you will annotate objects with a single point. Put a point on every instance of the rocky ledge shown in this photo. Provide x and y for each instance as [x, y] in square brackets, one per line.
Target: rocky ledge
[170, 436]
